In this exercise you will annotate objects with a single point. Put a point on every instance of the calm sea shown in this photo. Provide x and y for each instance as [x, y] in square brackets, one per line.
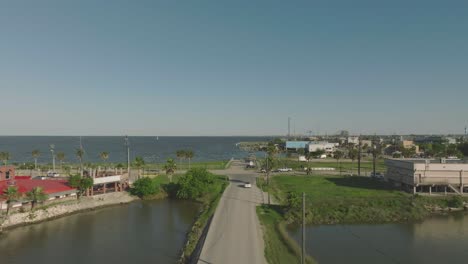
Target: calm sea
[151, 149]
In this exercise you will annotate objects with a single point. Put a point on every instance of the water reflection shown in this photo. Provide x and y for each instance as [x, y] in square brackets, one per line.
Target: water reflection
[439, 239]
[151, 231]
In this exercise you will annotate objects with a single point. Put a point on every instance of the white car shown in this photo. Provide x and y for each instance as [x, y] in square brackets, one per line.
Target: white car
[248, 185]
[52, 174]
[284, 169]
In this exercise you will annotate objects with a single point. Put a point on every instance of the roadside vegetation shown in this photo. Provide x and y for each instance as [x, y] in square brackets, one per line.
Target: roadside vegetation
[279, 246]
[337, 200]
[198, 185]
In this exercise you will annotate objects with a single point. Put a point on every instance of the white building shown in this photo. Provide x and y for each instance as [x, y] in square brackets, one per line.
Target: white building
[419, 175]
[324, 145]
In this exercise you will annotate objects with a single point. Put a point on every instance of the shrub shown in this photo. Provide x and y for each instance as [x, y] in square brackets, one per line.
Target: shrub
[195, 183]
[145, 187]
[456, 202]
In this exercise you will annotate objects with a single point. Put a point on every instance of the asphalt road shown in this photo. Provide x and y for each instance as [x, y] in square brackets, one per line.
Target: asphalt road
[235, 234]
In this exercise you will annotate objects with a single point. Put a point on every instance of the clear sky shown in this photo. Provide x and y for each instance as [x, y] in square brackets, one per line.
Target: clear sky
[232, 67]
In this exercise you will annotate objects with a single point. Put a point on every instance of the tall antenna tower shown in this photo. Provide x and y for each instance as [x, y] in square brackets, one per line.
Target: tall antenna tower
[289, 128]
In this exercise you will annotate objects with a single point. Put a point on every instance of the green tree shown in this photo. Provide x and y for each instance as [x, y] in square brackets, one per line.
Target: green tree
[189, 155]
[36, 195]
[80, 154]
[145, 187]
[139, 162]
[35, 154]
[195, 183]
[104, 156]
[61, 158]
[80, 183]
[463, 148]
[10, 194]
[5, 157]
[180, 154]
[338, 156]
[353, 155]
[170, 167]
[408, 152]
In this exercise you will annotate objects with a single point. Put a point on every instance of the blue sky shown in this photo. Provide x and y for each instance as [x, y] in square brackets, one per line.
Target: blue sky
[233, 67]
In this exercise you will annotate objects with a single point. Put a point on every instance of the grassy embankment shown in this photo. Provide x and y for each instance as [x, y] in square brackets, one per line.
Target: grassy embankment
[209, 201]
[333, 200]
[279, 246]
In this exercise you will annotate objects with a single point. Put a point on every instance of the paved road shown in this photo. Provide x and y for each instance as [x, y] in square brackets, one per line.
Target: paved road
[235, 235]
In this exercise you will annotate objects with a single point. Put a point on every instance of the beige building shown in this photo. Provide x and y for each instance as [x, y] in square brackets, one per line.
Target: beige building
[407, 144]
[420, 175]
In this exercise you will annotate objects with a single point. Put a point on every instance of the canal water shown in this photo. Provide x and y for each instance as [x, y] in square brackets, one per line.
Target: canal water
[140, 232]
[439, 239]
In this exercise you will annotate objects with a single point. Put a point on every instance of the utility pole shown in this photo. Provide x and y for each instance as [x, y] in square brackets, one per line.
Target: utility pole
[359, 156]
[52, 150]
[268, 176]
[127, 144]
[303, 256]
[374, 154]
[289, 128]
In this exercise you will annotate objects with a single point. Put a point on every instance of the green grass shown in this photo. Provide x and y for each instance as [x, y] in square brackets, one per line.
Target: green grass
[279, 247]
[333, 200]
[346, 165]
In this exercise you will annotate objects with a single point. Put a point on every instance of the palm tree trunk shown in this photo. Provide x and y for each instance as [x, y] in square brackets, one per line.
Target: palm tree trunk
[35, 163]
[189, 163]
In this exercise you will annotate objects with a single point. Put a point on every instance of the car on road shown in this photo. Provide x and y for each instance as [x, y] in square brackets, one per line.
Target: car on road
[248, 185]
[284, 170]
[263, 170]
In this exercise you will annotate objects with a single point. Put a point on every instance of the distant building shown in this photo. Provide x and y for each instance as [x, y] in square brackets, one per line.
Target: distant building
[7, 173]
[408, 144]
[352, 140]
[296, 145]
[323, 145]
[420, 175]
[55, 189]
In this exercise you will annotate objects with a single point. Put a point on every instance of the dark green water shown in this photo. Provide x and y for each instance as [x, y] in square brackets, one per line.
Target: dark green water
[440, 239]
[141, 232]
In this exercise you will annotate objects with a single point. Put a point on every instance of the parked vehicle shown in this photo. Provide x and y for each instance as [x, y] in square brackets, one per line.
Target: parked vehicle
[284, 170]
[248, 185]
[53, 174]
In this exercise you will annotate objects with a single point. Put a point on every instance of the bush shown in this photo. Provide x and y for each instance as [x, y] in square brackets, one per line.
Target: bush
[456, 202]
[195, 183]
[145, 187]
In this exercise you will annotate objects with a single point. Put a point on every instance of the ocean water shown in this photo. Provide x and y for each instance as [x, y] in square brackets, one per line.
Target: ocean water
[150, 148]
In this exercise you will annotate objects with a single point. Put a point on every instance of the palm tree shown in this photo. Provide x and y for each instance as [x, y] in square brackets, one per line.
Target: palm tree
[35, 154]
[353, 154]
[180, 154]
[5, 157]
[61, 158]
[36, 195]
[79, 154]
[338, 156]
[104, 157]
[10, 194]
[170, 167]
[189, 155]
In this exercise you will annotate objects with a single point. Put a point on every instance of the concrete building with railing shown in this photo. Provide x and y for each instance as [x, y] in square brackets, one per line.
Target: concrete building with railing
[428, 176]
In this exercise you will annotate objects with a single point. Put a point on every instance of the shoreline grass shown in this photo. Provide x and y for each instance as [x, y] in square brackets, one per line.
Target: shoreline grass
[351, 200]
[279, 246]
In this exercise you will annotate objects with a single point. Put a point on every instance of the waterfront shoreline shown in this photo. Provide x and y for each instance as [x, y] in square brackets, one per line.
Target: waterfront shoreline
[86, 204]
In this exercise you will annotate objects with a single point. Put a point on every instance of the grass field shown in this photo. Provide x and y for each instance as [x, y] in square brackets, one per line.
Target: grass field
[347, 166]
[279, 247]
[333, 199]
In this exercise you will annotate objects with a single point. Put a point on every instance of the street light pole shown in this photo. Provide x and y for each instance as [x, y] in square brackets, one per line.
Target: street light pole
[127, 143]
[52, 150]
[359, 156]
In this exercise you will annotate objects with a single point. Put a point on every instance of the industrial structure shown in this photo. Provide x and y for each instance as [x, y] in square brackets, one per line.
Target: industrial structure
[428, 176]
